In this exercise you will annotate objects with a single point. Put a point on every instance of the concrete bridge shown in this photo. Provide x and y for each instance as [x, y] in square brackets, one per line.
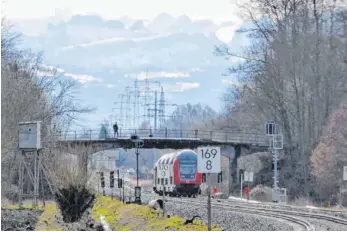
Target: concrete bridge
[233, 144]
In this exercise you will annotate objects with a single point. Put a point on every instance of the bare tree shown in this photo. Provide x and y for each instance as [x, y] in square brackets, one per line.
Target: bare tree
[31, 92]
[293, 73]
[192, 117]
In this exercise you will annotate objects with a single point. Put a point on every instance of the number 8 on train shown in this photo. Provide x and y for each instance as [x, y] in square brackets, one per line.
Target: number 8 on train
[209, 160]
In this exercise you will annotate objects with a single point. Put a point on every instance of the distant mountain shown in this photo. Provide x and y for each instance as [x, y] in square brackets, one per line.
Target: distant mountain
[127, 21]
[86, 20]
[161, 23]
[114, 24]
[138, 26]
[102, 54]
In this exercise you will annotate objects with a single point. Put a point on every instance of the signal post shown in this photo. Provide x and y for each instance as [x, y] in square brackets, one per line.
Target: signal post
[209, 162]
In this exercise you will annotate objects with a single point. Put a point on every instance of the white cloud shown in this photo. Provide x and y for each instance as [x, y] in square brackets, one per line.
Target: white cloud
[80, 78]
[49, 71]
[44, 74]
[182, 86]
[197, 70]
[152, 75]
[232, 82]
[234, 59]
[115, 39]
[83, 78]
[54, 68]
[227, 33]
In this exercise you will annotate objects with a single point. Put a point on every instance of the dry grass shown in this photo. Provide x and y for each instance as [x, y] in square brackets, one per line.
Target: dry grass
[49, 219]
[27, 204]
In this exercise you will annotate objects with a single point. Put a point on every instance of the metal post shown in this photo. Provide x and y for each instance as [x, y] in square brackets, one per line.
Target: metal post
[137, 165]
[35, 181]
[248, 190]
[275, 176]
[241, 185]
[118, 181]
[163, 200]
[21, 180]
[120, 190]
[123, 191]
[155, 114]
[38, 178]
[98, 181]
[209, 203]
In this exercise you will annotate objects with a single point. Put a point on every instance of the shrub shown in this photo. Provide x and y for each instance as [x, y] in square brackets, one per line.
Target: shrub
[261, 193]
[73, 201]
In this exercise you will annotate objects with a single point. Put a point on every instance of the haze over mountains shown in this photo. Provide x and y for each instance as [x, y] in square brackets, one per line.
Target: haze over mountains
[106, 55]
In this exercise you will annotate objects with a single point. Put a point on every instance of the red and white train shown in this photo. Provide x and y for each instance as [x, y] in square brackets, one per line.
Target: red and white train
[176, 174]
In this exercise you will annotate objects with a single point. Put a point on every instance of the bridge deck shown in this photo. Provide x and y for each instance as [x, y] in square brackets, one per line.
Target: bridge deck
[169, 136]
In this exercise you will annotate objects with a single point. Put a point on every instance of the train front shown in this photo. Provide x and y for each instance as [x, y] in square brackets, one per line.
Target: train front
[187, 179]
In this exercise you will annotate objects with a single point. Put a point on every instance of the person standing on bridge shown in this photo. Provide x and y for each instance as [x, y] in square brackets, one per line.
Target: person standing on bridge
[115, 129]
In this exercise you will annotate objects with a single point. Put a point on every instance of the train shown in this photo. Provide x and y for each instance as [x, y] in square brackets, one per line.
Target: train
[176, 174]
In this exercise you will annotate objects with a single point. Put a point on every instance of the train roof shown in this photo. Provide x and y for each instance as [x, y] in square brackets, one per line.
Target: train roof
[170, 157]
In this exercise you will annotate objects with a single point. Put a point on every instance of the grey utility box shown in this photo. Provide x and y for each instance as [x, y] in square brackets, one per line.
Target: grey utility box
[30, 135]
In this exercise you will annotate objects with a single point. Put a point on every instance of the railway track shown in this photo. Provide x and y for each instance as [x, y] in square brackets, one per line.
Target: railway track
[292, 214]
[259, 210]
[290, 207]
[303, 224]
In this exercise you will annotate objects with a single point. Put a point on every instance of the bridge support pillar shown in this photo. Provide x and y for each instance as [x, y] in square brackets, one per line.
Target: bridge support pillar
[233, 177]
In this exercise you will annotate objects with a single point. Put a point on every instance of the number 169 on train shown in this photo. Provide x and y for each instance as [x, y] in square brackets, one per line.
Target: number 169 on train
[209, 160]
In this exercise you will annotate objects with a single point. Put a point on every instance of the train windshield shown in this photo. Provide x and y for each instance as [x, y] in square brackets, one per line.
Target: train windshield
[187, 166]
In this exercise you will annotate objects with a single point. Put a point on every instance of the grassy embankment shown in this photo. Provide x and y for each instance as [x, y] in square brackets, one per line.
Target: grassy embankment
[47, 220]
[119, 216]
[125, 217]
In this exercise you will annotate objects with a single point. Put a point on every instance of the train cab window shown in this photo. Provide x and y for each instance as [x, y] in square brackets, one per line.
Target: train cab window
[170, 179]
[166, 181]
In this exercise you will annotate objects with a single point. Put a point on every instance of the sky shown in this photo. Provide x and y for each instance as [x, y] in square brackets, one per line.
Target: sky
[217, 10]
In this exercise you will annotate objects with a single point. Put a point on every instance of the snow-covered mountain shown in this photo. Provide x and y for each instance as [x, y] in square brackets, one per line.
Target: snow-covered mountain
[104, 54]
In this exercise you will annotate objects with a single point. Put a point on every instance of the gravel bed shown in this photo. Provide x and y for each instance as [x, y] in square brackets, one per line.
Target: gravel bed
[241, 221]
[225, 219]
[289, 208]
[228, 220]
[19, 219]
[322, 225]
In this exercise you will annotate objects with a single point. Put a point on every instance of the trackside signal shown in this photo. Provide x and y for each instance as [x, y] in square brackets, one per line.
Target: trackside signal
[112, 179]
[102, 179]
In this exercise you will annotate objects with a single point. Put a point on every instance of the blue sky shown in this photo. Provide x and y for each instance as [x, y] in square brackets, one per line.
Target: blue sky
[183, 85]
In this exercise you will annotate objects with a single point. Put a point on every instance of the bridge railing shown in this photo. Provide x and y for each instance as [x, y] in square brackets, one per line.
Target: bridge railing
[218, 136]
